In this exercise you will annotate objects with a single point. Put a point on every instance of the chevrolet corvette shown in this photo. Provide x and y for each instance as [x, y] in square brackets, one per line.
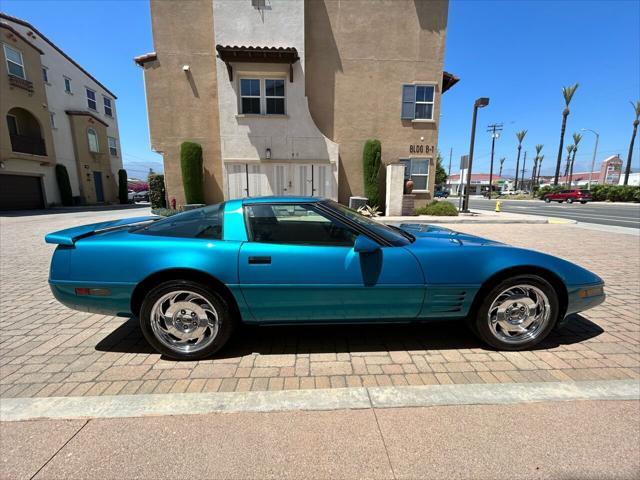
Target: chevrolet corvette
[192, 277]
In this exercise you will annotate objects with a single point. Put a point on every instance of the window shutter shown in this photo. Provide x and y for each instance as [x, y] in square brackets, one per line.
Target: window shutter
[408, 102]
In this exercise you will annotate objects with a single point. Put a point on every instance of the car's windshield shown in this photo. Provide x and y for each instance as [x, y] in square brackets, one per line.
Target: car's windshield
[393, 235]
[203, 222]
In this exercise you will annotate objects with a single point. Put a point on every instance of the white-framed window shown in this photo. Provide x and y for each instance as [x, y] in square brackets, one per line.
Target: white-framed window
[417, 102]
[250, 96]
[45, 74]
[417, 170]
[274, 96]
[67, 85]
[15, 64]
[92, 138]
[12, 125]
[52, 117]
[91, 99]
[262, 96]
[108, 110]
[113, 146]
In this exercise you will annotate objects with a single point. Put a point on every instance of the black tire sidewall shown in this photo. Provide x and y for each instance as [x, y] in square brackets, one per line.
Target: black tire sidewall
[226, 326]
[482, 322]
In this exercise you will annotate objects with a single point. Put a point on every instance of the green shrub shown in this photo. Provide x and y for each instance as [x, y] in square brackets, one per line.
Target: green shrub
[156, 191]
[371, 159]
[440, 209]
[615, 193]
[164, 212]
[542, 191]
[191, 166]
[64, 185]
[123, 192]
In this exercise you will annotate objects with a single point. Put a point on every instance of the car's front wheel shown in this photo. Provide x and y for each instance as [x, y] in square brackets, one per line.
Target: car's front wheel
[518, 313]
[547, 200]
[185, 320]
[570, 200]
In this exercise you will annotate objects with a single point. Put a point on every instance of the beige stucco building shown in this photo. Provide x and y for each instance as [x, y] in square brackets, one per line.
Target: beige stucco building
[52, 112]
[283, 94]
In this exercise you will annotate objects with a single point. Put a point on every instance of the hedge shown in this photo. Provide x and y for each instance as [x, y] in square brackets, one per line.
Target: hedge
[440, 209]
[123, 191]
[371, 159]
[157, 191]
[64, 185]
[601, 193]
[191, 166]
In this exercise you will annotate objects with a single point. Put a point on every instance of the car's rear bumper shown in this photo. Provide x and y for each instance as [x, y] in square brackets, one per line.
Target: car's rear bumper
[103, 298]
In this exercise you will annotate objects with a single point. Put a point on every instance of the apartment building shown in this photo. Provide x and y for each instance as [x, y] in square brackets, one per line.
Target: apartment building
[283, 94]
[52, 112]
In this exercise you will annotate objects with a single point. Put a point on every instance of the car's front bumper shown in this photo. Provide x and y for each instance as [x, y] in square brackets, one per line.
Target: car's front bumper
[584, 297]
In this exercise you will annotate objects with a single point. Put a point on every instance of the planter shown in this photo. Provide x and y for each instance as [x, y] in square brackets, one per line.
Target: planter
[408, 187]
[192, 206]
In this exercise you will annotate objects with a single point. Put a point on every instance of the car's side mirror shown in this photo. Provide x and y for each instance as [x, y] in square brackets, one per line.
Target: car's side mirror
[364, 244]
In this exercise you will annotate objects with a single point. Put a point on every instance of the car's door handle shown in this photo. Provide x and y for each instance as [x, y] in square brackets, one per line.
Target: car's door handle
[259, 260]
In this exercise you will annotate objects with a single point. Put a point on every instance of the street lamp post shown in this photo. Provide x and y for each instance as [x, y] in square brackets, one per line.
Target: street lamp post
[479, 103]
[595, 152]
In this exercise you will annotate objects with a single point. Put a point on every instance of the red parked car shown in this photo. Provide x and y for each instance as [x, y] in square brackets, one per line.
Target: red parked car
[569, 196]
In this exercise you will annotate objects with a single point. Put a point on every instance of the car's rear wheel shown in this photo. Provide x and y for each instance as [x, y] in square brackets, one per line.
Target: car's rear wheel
[547, 200]
[185, 320]
[583, 203]
[518, 313]
[569, 200]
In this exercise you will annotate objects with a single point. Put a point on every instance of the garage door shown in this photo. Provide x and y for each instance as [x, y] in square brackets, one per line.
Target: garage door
[20, 192]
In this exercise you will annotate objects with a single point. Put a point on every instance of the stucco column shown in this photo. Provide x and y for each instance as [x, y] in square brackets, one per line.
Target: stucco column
[395, 189]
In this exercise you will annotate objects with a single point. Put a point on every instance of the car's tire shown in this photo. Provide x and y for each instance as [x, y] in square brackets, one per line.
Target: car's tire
[547, 200]
[197, 328]
[569, 200]
[582, 203]
[517, 313]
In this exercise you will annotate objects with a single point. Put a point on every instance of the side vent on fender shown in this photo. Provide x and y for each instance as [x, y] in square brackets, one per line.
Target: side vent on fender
[447, 300]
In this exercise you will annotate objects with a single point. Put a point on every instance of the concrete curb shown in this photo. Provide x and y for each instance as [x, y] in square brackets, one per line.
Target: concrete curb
[120, 406]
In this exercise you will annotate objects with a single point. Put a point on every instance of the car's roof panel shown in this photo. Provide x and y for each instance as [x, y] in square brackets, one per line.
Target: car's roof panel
[282, 199]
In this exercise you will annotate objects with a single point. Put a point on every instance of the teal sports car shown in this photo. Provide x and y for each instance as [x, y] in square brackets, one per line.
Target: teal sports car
[191, 278]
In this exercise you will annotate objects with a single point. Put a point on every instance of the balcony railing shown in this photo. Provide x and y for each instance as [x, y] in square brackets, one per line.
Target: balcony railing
[21, 83]
[23, 144]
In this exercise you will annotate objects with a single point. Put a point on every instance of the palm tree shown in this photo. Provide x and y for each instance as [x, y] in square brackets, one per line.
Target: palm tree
[535, 165]
[576, 140]
[520, 136]
[567, 93]
[501, 163]
[540, 158]
[567, 162]
[627, 170]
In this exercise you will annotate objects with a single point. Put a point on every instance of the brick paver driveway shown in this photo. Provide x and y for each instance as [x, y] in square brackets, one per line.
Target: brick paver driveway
[49, 350]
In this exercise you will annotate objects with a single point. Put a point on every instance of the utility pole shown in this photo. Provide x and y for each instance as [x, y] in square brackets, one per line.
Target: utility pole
[524, 164]
[450, 155]
[494, 130]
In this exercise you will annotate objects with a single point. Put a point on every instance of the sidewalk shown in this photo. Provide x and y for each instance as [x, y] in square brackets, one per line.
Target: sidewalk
[582, 439]
[477, 217]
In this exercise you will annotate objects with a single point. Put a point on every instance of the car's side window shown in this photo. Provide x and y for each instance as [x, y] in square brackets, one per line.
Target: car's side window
[296, 224]
[201, 223]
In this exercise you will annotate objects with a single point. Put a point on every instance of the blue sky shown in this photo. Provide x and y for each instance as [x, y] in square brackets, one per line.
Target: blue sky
[518, 53]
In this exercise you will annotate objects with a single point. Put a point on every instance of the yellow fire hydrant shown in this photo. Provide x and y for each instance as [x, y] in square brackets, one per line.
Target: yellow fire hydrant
[497, 205]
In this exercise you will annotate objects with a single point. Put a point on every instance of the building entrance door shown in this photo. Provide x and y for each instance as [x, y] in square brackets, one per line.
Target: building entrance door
[97, 180]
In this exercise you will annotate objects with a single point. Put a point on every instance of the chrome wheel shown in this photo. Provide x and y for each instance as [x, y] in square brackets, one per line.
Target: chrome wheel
[184, 321]
[519, 314]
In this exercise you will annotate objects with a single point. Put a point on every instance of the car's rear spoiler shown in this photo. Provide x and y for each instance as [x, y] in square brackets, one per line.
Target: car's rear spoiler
[71, 235]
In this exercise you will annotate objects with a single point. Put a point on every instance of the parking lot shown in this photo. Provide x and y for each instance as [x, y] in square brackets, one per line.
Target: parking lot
[49, 350]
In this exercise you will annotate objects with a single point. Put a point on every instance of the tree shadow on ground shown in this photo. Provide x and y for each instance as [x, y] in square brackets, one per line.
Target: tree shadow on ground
[290, 339]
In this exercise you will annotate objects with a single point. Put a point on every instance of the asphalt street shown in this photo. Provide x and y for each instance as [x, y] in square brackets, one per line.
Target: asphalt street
[621, 215]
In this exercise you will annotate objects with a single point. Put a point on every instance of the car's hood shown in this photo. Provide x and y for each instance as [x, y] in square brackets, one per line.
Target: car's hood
[423, 231]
